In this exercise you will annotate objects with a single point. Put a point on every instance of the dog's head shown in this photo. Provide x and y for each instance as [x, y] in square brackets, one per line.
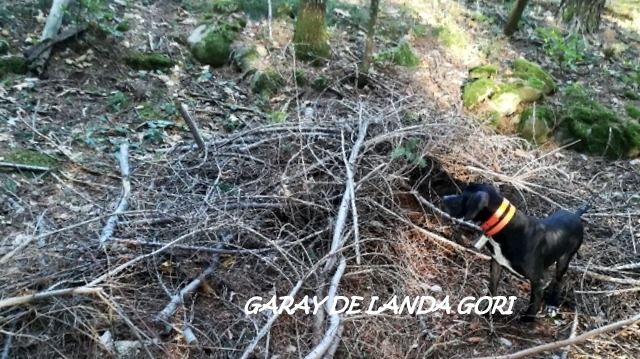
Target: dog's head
[475, 199]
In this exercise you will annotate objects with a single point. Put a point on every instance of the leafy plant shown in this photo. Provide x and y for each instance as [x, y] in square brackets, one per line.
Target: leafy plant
[568, 50]
[410, 151]
[117, 101]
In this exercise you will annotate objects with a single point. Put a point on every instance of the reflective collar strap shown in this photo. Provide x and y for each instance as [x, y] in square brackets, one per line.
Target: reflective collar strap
[499, 219]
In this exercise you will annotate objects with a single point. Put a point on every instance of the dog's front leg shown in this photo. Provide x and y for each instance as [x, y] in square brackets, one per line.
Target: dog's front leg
[494, 277]
[535, 302]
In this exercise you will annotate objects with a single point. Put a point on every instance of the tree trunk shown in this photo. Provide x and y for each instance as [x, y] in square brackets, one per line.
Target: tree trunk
[310, 36]
[368, 46]
[514, 18]
[582, 15]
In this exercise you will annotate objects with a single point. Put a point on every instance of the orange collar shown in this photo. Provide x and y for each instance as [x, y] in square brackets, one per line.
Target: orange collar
[499, 219]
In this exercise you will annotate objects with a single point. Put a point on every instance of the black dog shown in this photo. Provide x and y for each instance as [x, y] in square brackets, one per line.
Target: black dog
[525, 244]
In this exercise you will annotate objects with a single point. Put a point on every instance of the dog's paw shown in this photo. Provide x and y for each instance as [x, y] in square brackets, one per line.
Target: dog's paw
[552, 311]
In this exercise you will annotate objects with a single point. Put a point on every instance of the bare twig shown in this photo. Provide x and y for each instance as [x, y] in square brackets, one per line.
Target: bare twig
[330, 335]
[572, 341]
[20, 166]
[110, 226]
[193, 127]
[24, 299]
[178, 298]
[8, 341]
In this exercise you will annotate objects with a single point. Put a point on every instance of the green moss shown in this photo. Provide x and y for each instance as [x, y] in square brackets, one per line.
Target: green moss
[215, 47]
[320, 83]
[278, 116]
[483, 71]
[631, 95]
[149, 61]
[505, 103]
[534, 75]
[450, 36]
[13, 65]
[401, 55]
[300, 77]
[598, 128]
[246, 58]
[477, 91]
[123, 26]
[632, 111]
[4, 46]
[536, 123]
[267, 81]
[310, 37]
[29, 157]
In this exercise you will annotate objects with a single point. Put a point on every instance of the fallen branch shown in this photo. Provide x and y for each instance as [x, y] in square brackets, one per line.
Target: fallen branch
[110, 226]
[193, 127]
[178, 298]
[20, 166]
[248, 351]
[32, 53]
[572, 341]
[606, 278]
[8, 340]
[49, 32]
[217, 249]
[330, 336]
[442, 213]
[24, 299]
[338, 239]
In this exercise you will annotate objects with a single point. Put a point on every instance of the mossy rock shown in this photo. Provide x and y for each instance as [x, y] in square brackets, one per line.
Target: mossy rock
[632, 111]
[13, 65]
[534, 75]
[267, 81]
[149, 61]
[505, 103]
[29, 157]
[477, 91]
[249, 58]
[600, 130]
[402, 55]
[537, 123]
[211, 44]
[320, 83]
[483, 71]
[4, 46]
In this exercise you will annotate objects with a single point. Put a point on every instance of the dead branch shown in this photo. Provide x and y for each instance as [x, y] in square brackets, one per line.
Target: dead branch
[606, 278]
[178, 298]
[330, 336]
[217, 250]
[24, 299]
[32, 53]
[348, 200]
[442, 213]
[193, 127]
[49, 32]
[20, 166]
[8, 341]
[110, 226]
[562, 343]
[248, 351]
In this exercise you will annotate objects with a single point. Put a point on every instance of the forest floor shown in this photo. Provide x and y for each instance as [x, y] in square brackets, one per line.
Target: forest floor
[259, 205]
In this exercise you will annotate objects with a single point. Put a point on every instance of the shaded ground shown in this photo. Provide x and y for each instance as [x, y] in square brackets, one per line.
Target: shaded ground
[276, 188]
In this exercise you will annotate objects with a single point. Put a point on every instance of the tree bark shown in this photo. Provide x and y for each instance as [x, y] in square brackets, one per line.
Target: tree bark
[514, 18]
[371, 29]
[582, 15]
[310, 36]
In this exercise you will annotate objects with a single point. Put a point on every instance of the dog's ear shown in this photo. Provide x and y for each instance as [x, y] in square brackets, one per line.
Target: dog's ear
[476, 202]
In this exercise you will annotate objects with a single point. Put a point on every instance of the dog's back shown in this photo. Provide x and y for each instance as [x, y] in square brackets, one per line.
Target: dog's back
[564, 233]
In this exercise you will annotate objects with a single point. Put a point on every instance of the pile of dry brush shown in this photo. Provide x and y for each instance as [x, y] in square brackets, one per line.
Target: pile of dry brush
[322, 205]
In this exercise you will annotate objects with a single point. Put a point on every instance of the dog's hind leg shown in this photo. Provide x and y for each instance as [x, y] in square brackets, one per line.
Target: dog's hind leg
[494, 277]
[553, 298]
